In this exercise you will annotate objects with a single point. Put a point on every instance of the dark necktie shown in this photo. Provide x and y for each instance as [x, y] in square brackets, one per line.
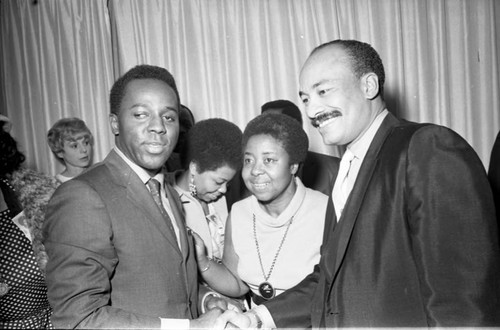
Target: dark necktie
[154, 186]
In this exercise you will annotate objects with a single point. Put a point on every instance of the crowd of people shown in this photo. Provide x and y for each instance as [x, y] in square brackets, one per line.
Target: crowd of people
[199, 225]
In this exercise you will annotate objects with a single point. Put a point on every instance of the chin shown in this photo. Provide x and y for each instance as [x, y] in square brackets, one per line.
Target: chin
[263, 198]
[331, 139]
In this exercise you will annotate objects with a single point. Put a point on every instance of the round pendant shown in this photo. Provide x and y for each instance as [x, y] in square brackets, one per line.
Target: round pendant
[266, 290]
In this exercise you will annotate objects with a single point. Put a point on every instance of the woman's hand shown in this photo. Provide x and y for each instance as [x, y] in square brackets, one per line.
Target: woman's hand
[201, 251]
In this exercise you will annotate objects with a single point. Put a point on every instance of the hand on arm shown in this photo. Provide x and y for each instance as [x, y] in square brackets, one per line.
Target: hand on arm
[220, 276]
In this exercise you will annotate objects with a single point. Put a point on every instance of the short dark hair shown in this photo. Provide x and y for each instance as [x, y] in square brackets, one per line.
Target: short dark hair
[186, 117]
[286, 107]
[213, 143]
[362, 57]
[186, 122]
[10, 157]
[284, 129]
[142, 71]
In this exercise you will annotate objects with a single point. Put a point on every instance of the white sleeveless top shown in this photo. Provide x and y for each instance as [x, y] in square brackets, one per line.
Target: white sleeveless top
[301, 249]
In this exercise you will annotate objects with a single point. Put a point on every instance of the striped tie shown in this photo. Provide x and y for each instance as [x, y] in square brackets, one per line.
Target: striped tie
[154, 187]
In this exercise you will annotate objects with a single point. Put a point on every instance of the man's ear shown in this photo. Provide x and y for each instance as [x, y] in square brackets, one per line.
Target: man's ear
[370, 85]
[294, 168]
[115, 125]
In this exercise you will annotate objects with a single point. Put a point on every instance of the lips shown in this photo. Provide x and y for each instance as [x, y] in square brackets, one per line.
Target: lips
[323, 118]
[154, 147]
[260, 186]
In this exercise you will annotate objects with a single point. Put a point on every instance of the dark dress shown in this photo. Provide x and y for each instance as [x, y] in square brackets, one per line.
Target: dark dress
[23, 294]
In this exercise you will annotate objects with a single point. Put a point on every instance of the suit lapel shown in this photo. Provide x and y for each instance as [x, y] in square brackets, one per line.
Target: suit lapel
[138, 194]
[343, 230]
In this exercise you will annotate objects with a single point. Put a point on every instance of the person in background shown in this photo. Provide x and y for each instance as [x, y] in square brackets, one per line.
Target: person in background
[411, 238]
[494, 174]
[71, 142]
[318, 170]
[213, 153]
[23, 196]
[177, 161]
[273, 237]
[119, 252]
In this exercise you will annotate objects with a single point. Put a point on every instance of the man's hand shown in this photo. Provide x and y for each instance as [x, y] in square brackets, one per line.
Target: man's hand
[233, 319]
[201, 250]
[207, 320]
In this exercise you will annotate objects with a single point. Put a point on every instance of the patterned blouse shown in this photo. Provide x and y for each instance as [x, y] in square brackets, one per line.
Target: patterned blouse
[23, 294]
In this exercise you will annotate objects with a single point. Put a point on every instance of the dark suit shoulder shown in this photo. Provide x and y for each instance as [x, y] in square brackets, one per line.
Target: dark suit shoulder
[318, 171]
[311, 155]
[98, 175]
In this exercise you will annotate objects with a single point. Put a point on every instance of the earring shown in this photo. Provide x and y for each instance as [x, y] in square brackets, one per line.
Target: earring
[192, 187]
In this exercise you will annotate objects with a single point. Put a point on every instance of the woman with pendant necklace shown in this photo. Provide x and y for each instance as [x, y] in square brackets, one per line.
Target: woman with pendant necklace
[213, 157]
[273, 237]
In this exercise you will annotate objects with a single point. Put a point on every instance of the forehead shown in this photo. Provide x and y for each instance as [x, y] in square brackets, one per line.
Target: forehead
[76, 136]
[149, 89]
[325, 64]
[264, 143]
[223, 172]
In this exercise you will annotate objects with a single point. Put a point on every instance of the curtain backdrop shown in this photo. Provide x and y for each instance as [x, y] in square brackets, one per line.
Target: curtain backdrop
[60, 57]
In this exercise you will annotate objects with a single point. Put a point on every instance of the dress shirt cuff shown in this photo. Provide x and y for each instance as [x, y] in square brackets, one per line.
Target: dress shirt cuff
[265, 316]
[205, 296]
[174, 323]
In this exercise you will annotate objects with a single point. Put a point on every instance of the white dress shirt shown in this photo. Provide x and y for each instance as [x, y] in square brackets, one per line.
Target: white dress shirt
[359, 149]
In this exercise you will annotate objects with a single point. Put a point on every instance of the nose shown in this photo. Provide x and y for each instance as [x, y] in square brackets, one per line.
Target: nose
[313, 107]
[256, 169]
[83, 148]
[223, 188]
[156, 124]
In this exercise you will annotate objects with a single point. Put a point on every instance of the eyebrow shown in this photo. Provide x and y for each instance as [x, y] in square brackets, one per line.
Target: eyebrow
[319, 83]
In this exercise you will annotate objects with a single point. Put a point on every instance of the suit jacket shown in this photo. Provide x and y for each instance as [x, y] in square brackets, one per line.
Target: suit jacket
[319, 171]
[113, 262]
[416, 245]
[494, 174]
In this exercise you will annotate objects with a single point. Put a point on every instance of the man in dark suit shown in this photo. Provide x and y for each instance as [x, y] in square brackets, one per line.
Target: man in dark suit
[411, 238]
[119, 253]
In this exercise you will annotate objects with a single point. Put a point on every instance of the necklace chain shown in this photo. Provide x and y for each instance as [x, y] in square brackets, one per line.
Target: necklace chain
[277, 252]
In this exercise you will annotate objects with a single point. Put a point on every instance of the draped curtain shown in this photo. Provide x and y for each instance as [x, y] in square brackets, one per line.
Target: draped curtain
[59, 58]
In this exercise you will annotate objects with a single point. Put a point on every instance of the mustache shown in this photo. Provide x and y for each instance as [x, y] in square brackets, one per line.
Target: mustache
[316, 121]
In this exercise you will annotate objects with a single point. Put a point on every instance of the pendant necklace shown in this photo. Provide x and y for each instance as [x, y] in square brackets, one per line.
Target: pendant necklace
[266, 290]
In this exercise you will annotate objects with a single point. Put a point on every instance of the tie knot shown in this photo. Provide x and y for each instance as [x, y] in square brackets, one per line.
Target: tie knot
[154, 186]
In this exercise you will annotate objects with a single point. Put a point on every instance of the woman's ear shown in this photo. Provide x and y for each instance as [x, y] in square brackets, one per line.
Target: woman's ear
[193, 168]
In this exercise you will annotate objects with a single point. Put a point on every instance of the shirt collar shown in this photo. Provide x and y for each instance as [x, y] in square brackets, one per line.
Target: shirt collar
[360, 147]
[143, 175]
